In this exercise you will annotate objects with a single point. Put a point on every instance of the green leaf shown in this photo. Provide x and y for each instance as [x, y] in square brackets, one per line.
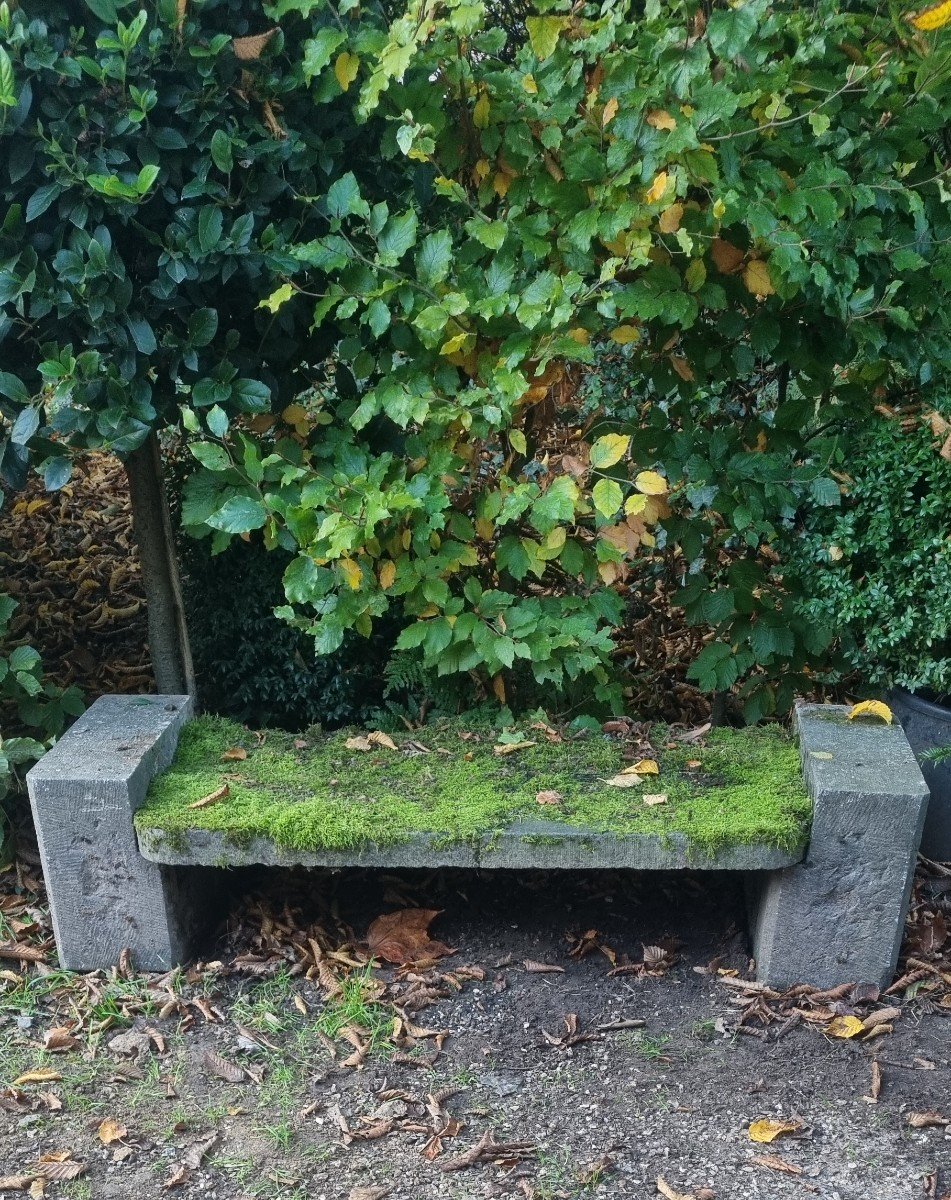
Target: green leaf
[106, 10]
[556, 505]
[239, 514]
[210, 222]
[217, 421]
[398, 236]
[730, 30]
[319, 50]
[202, 326]
[434, 257]
[489, 233]
[146, 177]
[41, 199]
[13, 388]
[221, 151]
[543, 33]
[215, 458]
[277, 298]
[8, 97]
[607, 497]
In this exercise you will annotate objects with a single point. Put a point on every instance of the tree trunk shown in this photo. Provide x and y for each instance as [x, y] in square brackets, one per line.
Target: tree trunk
[152, 526]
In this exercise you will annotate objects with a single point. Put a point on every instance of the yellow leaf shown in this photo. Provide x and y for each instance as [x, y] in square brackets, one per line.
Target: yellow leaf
[498, 688]
[647, 766]
[485, 528]
[278, 297]
[650, 483]
[111, 1131]
[387, 574]
[872, 708]
[40, 1075]
[669, 220]
[659, 118]
[529, 84]
[294, 414]
[719, 208]
[454, 344]
[635, 504]
[501, 182]
[844, 1027]
[767, 1130]
[935, 17]
[610, 112]
[625, 335]
[609, 450]
[346, 68]
[503, 751]
[352, 573]
[657, 189]
[579, 335]
[757, 278]
[480, 114]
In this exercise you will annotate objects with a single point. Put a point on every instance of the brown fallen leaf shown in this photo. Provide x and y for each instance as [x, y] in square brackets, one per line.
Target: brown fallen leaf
[249, 49]
[19, 950]
[194, 1154]
[215, 797]
[924, 1120]
[40, 1075]
[235, 754]
[775, 1163]
[111, 1131]
[369, 1193]
[767, 1130]
[403, 936]
[548, 798]
[15, 1183]
[60, 1038]
[58, 1170]
[659, 798]
[176, 1179]
[216, 1065]
[624, 781]
[664, 1188]
[511, 748]
[489, 1150]
[540, 968]
[884, 1016]
[876, 1087]
[360, 743]
[377, 738]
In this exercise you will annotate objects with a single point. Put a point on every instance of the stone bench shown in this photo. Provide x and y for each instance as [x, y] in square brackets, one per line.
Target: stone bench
[828, 888]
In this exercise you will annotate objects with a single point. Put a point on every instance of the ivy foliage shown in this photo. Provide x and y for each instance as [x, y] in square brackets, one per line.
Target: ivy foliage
[878, 571]
[748, 199]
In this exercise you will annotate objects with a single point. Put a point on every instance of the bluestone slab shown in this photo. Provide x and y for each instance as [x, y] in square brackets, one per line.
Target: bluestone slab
[839, 915]
[105, 897]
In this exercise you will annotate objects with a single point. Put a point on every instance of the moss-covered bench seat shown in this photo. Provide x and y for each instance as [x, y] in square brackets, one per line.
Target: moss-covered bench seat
[138, 806]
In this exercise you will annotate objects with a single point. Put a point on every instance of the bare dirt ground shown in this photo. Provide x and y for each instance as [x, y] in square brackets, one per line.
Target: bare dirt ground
[291, 1066]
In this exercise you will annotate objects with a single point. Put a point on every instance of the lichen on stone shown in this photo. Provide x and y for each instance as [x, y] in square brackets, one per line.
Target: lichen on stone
[310, 792]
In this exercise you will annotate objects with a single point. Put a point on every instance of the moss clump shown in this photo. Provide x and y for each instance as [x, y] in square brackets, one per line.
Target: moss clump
[312, 793]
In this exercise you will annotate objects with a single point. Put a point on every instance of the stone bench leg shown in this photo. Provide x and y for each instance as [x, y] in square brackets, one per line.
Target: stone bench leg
[838, 916]
[104, 896]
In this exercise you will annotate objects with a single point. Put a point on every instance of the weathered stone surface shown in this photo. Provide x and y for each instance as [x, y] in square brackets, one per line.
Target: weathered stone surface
[838, 916]
[542, 845]
[105, 897]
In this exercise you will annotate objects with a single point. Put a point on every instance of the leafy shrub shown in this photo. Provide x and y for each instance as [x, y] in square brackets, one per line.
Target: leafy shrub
[877, 572]
[748, 196]
[36, 710]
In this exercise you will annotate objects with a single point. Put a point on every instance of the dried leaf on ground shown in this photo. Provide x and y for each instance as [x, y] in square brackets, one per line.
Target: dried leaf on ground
[775, 1163]
[22, 952]
[215, 797]
[511, 748]
[624, 781]
[60, 1038]
[58, 1170]
[924, 1120]
[176, 1179]
[369, 1193]
[111, 1131]
[845, 1027]
[767, 1129]
[549, 797]
[216, 1065]
[489, 1150]
[646, 766]
[40, 1075]
[358, 743]
[15, 1183]
[194, 1154]
[540, 968]
[378, 738]
[658, 798]
[665, 1190]
[235, 754]
[403, 936]
[875, 1089]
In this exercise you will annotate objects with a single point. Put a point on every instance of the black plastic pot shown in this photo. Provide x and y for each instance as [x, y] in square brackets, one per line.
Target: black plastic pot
[927, 725]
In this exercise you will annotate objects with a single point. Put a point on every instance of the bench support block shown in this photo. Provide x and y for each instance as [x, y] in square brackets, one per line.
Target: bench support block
[106, 898]
[838, 916]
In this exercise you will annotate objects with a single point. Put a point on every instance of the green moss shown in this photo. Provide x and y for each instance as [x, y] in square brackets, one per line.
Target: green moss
[313, 793]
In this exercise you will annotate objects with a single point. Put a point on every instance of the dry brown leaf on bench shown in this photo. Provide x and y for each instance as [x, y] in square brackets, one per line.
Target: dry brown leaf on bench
[403, 936]
[215, 797]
